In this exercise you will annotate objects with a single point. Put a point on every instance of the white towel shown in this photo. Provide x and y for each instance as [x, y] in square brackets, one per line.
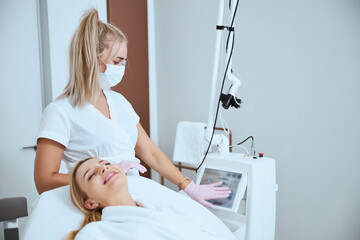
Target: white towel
[165, 215]
[188, 143]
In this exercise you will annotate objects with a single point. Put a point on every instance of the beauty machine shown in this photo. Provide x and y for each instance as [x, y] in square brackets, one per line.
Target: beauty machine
[249, 211]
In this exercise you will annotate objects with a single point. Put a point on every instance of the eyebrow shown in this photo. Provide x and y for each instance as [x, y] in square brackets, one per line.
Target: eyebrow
[89, 168]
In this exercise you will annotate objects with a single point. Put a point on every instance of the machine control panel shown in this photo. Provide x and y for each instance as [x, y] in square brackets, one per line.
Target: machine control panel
[236, 181]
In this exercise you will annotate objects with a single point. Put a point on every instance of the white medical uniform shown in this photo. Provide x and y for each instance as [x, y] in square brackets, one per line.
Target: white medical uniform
[86, 132]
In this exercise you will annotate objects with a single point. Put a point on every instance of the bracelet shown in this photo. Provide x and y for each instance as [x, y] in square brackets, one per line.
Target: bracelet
[182, 181]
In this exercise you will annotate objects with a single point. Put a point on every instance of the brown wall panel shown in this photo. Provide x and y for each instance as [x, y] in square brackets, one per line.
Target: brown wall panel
[131, 18]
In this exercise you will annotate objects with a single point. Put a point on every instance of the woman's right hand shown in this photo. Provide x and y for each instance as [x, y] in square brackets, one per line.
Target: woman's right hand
[201, 193]
[47, 165]
[127, 165]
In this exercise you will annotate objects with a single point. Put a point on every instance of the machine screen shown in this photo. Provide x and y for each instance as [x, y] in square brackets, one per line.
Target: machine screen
[229, 179]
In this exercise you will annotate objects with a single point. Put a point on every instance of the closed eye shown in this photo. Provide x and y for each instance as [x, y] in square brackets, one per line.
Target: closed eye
[120, 60]
[94, 173]
[91, 176]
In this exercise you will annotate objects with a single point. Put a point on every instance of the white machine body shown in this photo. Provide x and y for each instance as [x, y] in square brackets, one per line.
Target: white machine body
[249, 211]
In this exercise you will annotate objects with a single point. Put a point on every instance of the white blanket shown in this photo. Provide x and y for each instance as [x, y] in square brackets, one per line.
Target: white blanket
[165, 215]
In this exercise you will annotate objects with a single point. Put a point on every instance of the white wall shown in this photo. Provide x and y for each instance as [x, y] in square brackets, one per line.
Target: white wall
[20, 100]
[299, 61]
[153, 106]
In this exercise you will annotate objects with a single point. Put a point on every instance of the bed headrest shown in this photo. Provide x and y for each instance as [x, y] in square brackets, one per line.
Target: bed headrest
[52, 216]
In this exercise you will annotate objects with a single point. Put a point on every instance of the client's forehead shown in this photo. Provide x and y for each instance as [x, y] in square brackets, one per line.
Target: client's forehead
[86, 165]
[92, 161]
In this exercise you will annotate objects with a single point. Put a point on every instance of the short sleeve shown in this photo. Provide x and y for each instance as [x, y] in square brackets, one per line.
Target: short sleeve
[130, 110]
[55, 125]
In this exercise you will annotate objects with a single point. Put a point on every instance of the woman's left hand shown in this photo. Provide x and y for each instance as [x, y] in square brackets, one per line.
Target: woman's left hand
[127, 165]
[201, 193]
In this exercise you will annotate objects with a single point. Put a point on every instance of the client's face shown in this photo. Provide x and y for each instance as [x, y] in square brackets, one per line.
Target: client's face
[101, 181]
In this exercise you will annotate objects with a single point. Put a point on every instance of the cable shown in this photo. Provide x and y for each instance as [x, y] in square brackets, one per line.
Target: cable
[252, 145]
[222, 85]
[224, 124]
[232, 22]
[217, 111]
[247, 152]
[245, 140]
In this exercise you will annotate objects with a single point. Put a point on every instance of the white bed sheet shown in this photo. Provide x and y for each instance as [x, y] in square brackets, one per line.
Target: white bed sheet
[53, 216]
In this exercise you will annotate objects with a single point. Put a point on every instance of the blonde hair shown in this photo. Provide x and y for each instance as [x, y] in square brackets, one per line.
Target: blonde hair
[79, 197]
[90, 40]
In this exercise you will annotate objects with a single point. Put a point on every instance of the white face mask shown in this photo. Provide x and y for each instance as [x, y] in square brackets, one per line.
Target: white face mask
[112, 75]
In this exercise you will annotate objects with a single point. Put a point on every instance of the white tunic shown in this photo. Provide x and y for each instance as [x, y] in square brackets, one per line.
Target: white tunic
[86, 132]
[166, 215]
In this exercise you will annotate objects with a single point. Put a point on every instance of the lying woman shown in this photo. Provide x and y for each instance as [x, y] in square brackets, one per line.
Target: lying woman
[117, 206]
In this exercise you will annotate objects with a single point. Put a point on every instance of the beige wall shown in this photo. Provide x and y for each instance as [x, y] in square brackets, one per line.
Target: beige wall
[131, 18]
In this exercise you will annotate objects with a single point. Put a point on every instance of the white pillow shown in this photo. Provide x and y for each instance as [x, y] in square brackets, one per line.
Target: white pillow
[53, 216]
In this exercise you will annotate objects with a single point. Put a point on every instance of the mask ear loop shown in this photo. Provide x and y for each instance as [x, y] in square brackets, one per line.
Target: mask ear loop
[103, 62]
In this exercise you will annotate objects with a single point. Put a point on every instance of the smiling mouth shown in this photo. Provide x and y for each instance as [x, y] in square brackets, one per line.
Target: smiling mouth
[108, 176]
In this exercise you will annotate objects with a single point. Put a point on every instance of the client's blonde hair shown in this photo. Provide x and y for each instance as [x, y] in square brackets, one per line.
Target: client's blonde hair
[90, 40]
[79, 197]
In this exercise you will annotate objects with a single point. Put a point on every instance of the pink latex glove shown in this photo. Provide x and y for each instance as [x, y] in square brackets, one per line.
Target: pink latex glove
[127, 165]
[201, 193]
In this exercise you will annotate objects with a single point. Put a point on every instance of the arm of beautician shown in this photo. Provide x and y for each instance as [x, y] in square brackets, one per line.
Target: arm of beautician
[47, 165]
[157, 160]
[147, 151]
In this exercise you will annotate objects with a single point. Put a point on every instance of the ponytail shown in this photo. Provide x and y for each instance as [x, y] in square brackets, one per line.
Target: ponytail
[90, 40]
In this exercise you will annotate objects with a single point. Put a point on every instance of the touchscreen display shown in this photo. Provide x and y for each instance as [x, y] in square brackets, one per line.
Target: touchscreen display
[229, 179]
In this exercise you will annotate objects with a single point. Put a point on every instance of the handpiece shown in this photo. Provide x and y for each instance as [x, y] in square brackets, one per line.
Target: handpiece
[229, 99]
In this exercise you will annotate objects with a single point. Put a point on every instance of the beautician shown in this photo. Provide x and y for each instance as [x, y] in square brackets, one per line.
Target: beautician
[91, 120]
